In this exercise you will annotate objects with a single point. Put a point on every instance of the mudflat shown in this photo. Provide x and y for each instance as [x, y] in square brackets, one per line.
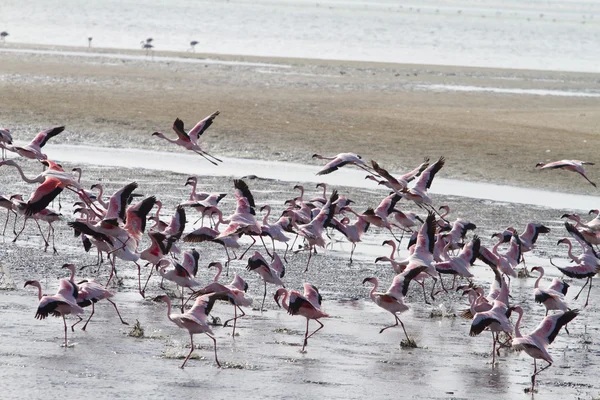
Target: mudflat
[491, 125]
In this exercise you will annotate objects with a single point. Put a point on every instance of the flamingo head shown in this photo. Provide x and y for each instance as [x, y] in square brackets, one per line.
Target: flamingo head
[162, 297]
[321, 185]
[265, 207]
[215, 264]
[161, 266]
[540, 164]
[563, 241]
[594, 212]
[70, 267]
[191, 180]
[538, 268]
[32, 283]
[370, 280]
[299, 187]
[159, 134]
[317, 156]
[280, 292]
[388, 242]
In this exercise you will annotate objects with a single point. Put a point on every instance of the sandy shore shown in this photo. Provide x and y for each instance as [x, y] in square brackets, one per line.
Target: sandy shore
[294, 108]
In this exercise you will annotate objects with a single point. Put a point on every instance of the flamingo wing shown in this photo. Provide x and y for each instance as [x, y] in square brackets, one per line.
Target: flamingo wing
[550, 326]
[136, 216]
[311, 293]
[408, 177]
[180, 131]
[41, 138]
[190, 261]
[202, 126]
[43, 196]
[118, 202]
[242, 190]
[424, 181]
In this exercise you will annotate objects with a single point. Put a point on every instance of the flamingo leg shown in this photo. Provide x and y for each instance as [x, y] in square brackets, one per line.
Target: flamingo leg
[265, 246]
[309, 257]
[403, 328]
[587, 300]
[264, 297]
[182, 299]
[352, 251]
[191, 351]
[21, 231]
[117, 310]
[149, 275]
[215, 347]
[253, 243]
[583, 287]
[535, 372]
[315, 331]
[73, 326]
[391, 326]
[91, 315]
[493, 349]
[65, 323]
[287, 247]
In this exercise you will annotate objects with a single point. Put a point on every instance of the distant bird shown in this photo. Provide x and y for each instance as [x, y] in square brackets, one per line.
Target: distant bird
[90, 41]
[536, 343]
[3, 35]
[569, 165]
[62, 303]
[193, 44]
[147, 46]
[392, 300]
[400, 183]
[194, 320]
[307, 305]
[339, 161]
[189, 140]
[149, 40]
[5, 138]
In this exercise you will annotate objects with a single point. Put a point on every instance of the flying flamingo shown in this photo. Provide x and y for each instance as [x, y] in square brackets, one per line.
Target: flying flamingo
[189, 140]
[400, 183]
[352, 231]
[182, 274]
[392, 301]
[339, 161]
[459, 265]
[194, 320]
[418, 193]
[90, 292]
[62, 303]
[33, 150]
[569, 165]
[307, 305]
[536, 343]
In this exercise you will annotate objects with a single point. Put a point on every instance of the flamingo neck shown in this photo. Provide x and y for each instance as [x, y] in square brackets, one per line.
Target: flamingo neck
[218, 274]
[393, 244]
[72, 278]
[473, 296]
[157, 221]
[375, 285]
[168, 301]
[266, 217]
[537, 283]
[284, 302]
[26, 179]
[518, 324]
[495, 248]
[570, 251]
[193, 193]
[39, 288]
[324, 191]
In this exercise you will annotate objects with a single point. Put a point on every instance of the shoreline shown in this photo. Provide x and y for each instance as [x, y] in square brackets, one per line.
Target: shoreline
[386, 112]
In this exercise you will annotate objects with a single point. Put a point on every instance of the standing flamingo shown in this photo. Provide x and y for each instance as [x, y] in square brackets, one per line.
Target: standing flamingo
[496, 319]
[90, 292]
[550, 297]
[392, 301]
[307, 305]
[536, 343]
[269, 273]
[62, 303]
[194, 320]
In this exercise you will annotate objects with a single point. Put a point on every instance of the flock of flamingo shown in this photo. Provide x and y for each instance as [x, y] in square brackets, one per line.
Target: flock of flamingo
[436, 247]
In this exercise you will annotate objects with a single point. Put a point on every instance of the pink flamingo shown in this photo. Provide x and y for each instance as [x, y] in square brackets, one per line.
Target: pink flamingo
[553, 297]
[397, 266]
[90, 292]
[569, 165]
[194, 320]
[307, 305]
[352, 231]
[33, 150]
[496, 319]
[62, 303]
[5, 138]
[236, 291]
[536, 343]
[459, 265]
[418, 193]
[339, 161]
[277, 230]
[270, 273]
[189, 140]
[182, 274]
[392, 300]
[400, 183]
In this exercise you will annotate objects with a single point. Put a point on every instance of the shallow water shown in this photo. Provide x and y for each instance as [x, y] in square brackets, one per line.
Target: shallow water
[347, 359]
[531, 34]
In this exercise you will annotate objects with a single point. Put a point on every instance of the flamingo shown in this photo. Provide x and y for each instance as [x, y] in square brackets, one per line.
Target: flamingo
[189, 140]
[418, 193]
[90, 292]
[400, 183]
[460, 264]
[569, 165]
[550, 297]
[182, 274]
[339, 161]
[313, 231]
[90, 42]
[496, 319]
[536, 343]
[236, 291]
[5, 138]
[397, 266]
[33, 150]
[307, 305]
[193, 44]
[277, 230]
[3, 35]
[270, 273]
[352, 232]
[62, 303]
[194, 320]
[392, 301]
[148, 47]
